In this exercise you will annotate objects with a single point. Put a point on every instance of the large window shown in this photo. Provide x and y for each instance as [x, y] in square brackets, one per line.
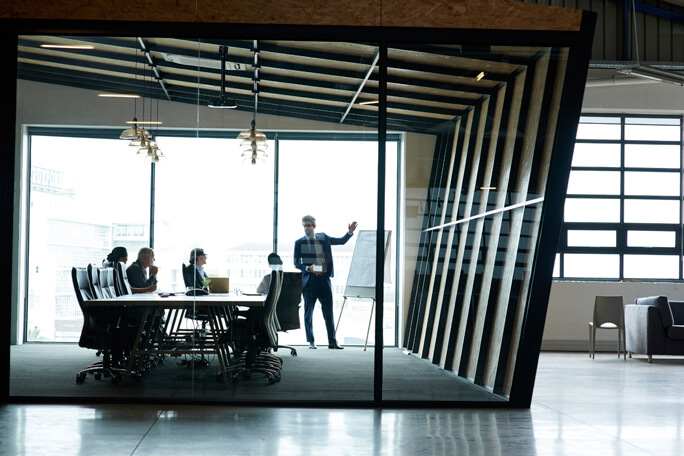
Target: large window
[89, 194]
[79, 210]
[624, 200]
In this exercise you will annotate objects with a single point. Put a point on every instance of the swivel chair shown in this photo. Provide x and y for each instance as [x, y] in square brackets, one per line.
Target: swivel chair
[99, 323]
[255, 336]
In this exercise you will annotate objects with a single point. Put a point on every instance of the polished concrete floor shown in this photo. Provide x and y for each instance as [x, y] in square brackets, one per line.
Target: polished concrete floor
[603, 406]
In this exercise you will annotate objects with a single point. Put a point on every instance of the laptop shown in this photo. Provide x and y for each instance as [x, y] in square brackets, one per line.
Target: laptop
[219, 284]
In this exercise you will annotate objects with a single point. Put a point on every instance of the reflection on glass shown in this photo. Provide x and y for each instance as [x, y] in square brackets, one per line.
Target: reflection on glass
[594, 183]
[651, 238]
[596, 155]
[591, 265]
[652, 184]
[652, 156]
[651, 211]
[591, 238]
[651, 266]
[592, 210]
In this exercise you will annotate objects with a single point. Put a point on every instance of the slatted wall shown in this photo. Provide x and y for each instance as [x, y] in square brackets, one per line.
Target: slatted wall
[480, 230]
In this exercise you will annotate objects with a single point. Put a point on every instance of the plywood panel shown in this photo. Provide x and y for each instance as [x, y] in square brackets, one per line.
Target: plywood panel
[466, 14]
[519, 196]
[428, 323]
[549, 142]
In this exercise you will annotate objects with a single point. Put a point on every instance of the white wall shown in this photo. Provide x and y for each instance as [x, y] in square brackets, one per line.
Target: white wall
[571, 304]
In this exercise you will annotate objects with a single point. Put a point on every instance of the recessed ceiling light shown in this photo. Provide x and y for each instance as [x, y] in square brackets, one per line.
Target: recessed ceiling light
[480, 76]
[487, 188]
[117, 95]
[148, 122]
[67, 46]
[369, 102]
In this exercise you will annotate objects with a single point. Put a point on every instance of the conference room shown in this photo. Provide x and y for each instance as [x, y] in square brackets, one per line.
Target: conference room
[443, 151]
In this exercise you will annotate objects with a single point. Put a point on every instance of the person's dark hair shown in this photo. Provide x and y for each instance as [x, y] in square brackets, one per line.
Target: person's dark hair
[117, 254]
[274, 258]
[194, 253]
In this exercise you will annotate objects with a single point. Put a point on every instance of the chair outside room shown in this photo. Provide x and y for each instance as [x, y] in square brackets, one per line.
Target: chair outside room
[608, 314]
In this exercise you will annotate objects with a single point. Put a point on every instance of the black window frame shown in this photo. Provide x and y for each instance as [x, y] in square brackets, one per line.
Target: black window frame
[621, 228]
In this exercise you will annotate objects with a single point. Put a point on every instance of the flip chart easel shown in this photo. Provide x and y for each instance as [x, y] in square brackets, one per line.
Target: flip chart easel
[361, 278]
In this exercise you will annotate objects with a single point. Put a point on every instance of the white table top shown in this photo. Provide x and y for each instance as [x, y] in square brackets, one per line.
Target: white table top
[180, 300]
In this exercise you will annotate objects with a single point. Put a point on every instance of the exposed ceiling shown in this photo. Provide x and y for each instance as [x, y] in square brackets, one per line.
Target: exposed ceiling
[427, 85]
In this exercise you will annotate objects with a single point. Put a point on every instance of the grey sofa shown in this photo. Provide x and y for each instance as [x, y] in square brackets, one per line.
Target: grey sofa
[655, 326]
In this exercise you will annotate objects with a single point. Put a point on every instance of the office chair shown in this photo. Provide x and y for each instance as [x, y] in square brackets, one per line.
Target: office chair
[94, 280]
[106, 279]
[97, 332]
[608, 314]
[287, 309]
[197, 313]
[254, 337]
[121, 280]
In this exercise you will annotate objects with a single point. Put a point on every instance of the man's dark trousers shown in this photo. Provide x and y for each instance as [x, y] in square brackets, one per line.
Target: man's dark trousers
[318, 288]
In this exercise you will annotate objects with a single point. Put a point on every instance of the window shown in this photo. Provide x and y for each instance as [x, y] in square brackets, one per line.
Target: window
[80, 209]
[624, 200]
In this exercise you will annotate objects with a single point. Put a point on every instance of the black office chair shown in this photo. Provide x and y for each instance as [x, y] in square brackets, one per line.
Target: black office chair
[106, 278]
[94, 280]
[287, 310]
[121, 280]
[255, 336]
[196, 313]
[99, 324]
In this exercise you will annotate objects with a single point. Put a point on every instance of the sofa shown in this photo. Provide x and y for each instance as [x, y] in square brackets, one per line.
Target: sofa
[655, 326]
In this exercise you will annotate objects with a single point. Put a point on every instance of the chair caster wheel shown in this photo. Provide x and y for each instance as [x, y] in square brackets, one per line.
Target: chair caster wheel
[271, 380]
[97, 376]
[80, 378]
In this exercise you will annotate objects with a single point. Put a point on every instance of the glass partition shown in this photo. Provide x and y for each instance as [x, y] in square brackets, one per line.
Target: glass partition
[489, 127]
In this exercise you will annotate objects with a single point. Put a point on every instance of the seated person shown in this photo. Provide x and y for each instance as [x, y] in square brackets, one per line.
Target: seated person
[137, 272]
[118, 254]
[274, 262]
[193, 273]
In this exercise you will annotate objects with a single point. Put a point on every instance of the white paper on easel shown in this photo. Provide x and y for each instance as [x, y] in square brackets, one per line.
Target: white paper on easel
[361, 278]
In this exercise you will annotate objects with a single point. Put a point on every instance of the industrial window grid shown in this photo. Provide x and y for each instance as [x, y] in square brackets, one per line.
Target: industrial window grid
[621, 248]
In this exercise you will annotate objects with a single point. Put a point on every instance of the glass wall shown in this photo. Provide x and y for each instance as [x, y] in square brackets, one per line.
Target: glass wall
[494, 111]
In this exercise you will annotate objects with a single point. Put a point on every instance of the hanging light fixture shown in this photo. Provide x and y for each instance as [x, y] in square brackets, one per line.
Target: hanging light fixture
[254, 143]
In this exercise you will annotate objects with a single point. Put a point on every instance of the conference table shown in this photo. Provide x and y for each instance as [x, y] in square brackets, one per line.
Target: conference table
[219, 310]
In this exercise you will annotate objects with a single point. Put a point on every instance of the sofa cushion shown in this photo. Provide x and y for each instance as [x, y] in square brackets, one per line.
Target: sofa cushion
[677, 308]
[676, 332]
[659, 302]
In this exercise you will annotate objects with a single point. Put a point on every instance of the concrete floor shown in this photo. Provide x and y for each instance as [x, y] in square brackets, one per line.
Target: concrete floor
[581, 407]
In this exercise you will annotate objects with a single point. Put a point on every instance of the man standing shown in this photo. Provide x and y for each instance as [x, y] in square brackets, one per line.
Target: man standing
[313, 256]
[137, 271]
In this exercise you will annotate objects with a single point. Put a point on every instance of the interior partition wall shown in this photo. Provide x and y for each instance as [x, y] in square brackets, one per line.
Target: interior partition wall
[489, 118]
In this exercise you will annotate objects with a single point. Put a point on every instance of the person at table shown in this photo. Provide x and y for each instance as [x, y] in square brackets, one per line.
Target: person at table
[142, 273]
[275, 263]
[193, 273]
[313, 256]
[118, 254]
